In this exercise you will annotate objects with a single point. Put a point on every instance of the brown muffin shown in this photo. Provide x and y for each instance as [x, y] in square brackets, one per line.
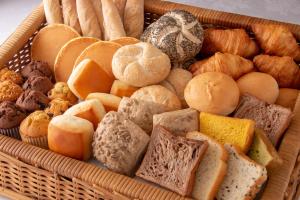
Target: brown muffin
[9, 91]
[9, 75]
[57, 107]
[31, 100]
[36, 68]
[38, 83]
[62, 90]
[34, 129]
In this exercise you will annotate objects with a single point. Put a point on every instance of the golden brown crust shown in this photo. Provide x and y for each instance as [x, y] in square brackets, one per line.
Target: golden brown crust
[287, 97]
[62, 90]
[35, 125]
[6, 74]
[9, 91]
[57, 107]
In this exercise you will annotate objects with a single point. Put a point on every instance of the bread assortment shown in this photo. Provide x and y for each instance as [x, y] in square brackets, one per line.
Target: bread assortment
[206, 129]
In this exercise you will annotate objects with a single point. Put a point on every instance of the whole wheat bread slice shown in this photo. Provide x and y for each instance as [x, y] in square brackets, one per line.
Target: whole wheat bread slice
[212, 168]
[171, 161]
[244, 177]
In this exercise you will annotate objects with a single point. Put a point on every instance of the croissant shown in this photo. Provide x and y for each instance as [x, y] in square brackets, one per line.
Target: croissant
[234, 41]
[276, 40]
[283, 69]
[230, 64]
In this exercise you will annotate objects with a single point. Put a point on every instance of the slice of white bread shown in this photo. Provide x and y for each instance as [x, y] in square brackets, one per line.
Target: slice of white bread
[244, 177]
[212, 168]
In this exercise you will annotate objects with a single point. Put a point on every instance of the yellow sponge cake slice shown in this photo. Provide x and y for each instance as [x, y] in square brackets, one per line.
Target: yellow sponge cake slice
[234, 131]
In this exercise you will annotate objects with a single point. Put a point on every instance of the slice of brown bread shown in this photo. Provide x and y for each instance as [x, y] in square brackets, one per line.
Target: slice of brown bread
[244, 177]
[171, 161]
[271, 118]
[212, 168]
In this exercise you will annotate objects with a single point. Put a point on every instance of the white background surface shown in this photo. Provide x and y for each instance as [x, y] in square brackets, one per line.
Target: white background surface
[12, 12]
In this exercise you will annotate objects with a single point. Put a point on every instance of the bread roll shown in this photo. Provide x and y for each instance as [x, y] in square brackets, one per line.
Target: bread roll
[212, 92]
[98, 9]
[88, 19]
[158, 94]
[53, 11]
[120, 4]
[112, 21]
[134, 18]
[70, 14]
[140, 64]
[109, 101]
[122, 89]
[71, 136]
[287, 97]
[91, 110]
[260, 85]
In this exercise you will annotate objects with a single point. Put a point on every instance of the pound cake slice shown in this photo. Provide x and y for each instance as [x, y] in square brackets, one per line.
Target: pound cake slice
[230, 130]
[212, 168]
[263, 152]
[271, 118]
[171, 161]
[244, 177]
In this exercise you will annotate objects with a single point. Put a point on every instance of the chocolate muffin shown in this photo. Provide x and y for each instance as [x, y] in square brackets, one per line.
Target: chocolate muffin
[32, 100]
[11, 115]
[36, 68]
[38, 83]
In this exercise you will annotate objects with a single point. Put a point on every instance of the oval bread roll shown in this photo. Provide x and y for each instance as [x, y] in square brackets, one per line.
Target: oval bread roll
[134, 18]
[53, 12]
[70, 14]
[140, 64]
[158, 94]
[88, 19]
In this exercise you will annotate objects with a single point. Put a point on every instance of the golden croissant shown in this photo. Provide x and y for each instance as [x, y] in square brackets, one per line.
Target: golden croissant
[234, 41]
[230, 64]
[276, 40]
[283, 69]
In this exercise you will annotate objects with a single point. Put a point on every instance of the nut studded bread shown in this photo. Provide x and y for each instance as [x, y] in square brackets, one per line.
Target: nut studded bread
[172, 161]
[271, 118]
[140, 112]
[119, 143]
[243, 179]
[212, 168]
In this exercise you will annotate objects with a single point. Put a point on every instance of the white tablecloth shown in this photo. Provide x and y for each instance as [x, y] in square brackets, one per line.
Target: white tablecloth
[12, 12]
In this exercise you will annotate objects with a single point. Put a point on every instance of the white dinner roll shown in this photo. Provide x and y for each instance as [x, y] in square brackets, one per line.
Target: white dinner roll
[140, 64]
[212, 92]
[158, 94]
[260, 85]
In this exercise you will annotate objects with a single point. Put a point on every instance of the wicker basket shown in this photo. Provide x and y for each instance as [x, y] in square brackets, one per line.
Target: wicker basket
[28, 171]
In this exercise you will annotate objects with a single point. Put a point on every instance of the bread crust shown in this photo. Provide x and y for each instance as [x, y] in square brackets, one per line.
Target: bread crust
[53, 12]
[70, 14]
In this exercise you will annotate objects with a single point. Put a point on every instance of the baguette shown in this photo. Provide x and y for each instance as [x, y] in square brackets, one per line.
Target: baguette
[134, 18]
[70, 14]
[112, 21]
[120, 4]
[98, 9]
[88, 19]
[53, 11]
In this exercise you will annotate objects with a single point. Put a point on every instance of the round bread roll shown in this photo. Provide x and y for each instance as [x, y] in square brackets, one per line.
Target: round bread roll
[71, 136]
[178, 33]
[260, 85]
[158, 94]
[140, 64]
[287, 97]
[212, 92]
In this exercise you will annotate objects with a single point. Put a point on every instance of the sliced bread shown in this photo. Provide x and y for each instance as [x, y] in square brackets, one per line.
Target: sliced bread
[263, 152]
[212, 168]
[171, 161]
[230, 130]
[244, 177]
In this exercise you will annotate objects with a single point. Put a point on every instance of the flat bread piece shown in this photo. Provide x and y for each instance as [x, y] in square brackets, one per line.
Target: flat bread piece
[67, 56]
[48, 42]
[126, 41]
[244, 177]
[102, 53]
[212, 168]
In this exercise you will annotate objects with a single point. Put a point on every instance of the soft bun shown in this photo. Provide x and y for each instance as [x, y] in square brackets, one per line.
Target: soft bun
[71, 136]
[287, 97]
[260, 85]
[140, 64]
[212, 92]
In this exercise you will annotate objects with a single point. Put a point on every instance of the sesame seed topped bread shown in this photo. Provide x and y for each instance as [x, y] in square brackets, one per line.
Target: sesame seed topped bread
[179, 122]
[273, 119]
[172, 161]
[244, 177]
[212, 168]
[230, 130]
[263, 152]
